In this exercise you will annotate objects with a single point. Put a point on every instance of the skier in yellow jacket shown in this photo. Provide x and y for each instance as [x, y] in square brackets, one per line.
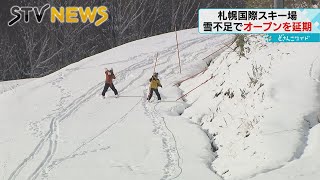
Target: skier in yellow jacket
[154, 84]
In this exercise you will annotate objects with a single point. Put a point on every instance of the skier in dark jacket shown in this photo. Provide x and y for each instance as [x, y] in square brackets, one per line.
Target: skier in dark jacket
[109, 83]
[154, 84]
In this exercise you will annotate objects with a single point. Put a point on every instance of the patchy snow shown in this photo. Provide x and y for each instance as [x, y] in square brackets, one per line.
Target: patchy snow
[258, 110]
[59, 127]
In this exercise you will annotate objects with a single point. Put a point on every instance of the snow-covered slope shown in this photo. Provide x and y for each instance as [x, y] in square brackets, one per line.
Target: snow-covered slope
[259, 114]
[11, 85]
[58, 127]
[259, 110]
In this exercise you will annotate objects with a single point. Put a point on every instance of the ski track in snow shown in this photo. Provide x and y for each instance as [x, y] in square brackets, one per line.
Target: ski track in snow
[172, 169]
[52, 136]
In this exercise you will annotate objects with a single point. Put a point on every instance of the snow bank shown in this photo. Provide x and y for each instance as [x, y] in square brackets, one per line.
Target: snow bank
[305, 168]
[259, 108]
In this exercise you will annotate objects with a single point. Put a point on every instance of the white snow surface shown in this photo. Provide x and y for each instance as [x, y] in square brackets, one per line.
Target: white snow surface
[11, 85]
[59, 127]
[262, 131]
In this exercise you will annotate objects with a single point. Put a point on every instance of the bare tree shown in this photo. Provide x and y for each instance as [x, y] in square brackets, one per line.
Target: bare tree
[7, 64]
[34, 50]
[123, 14]
[146, 23]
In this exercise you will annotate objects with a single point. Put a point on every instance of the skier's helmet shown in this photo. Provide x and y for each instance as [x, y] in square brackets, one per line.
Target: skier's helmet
[155, 74]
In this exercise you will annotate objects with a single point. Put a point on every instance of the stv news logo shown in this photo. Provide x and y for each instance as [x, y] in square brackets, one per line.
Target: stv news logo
[63, 15]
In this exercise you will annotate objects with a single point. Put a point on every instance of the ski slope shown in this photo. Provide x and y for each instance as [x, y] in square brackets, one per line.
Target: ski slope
[254, 117]
[59, 127]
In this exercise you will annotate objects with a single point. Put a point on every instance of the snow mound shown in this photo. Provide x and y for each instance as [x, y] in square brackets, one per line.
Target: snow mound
[257, 109]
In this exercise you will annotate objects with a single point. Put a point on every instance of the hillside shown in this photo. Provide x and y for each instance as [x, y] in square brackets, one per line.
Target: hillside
[252, 117]
[59, 127]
